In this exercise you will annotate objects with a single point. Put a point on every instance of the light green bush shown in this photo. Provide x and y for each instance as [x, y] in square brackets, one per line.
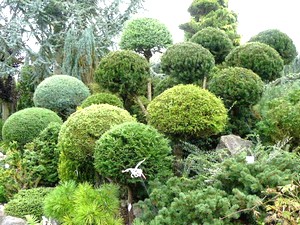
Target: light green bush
[24, 125]
[102, 98]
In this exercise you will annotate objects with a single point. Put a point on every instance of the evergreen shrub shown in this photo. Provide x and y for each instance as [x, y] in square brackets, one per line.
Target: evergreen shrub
[26, 124]
[200, 8]
[102, 98]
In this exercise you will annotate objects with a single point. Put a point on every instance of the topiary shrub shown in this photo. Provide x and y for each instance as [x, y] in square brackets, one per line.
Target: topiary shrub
[260, 58]
[215, 40]
[79, 133]
[187, 111]
[280, 41]
[27, 202]
[125, 145]
[187, 62]
[165, 83]
[24, 125]
[236, 86]
[124, 72]
[200, 8]
[102, 98]
[60, 93]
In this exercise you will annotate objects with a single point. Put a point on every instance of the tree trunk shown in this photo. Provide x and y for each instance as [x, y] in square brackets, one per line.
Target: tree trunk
[58, 62]
[130, 209]
[204, 82]
[6, 108]
[138, 100]
[149, 89]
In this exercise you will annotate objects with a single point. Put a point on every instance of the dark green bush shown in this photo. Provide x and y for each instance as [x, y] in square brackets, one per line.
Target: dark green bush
[187, 62]
[165, 83]
[260, 58]
[102, 98]
[24, 125]
[280, 41]
[236, 86]
[123, 72]
[78, 135]
[60, 93]
[201, 8]
[187, 111]
[27, 202]
[127, 144]
[82, 204]
[215, 40]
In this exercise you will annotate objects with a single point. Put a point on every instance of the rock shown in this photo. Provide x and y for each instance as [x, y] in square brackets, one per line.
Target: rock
[234, 144]
[9, 220]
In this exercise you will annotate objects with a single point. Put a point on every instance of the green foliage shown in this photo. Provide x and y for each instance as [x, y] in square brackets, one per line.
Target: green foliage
[164, 83]
[78, 135]
[60, 93]
[187, 111]
[200, 8]
[215, 40]
[280, 41]
[124, 72]
[102, 98]
[187, 62]
[27, 202]
[146, 36]
[24, 125]
[82, 204]
[260, 58]
[136, 110]
[127, 144]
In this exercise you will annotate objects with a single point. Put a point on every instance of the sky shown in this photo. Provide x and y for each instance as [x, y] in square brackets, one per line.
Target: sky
[254, 16]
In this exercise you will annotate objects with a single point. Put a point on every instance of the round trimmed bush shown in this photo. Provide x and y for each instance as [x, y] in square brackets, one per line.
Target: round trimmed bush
[280, 41]
[215, 40]
[125, 145]
[187, 62]
[260, 58]
[61, 94]
[187, 111]
[124, 72]
[236, 85]
[200, 8]
[102, 98]
[26, 124]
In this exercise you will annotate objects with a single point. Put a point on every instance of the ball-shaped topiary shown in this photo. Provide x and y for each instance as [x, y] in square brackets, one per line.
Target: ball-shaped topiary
[260, 58]
[215, 40]
[125, 145]
[187, 112]
[280, 41]
[187, 62]
[200, 8]
[61, 94]
[26, 124]
[238, 86]
[124, 72]
[102, 98]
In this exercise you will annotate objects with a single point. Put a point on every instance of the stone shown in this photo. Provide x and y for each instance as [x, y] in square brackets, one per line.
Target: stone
[234, 144]
[10, 220]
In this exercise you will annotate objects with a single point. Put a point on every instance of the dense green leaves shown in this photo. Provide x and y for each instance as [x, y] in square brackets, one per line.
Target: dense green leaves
[201, 8]
[102, 98]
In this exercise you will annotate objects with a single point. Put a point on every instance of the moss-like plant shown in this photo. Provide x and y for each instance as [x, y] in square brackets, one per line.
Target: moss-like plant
[60, 93]
[24, 125]
[187, 62]
[260, 58]
[127, 144]
[215, 40]
[187, 111]
[280, 41]
[102, 98]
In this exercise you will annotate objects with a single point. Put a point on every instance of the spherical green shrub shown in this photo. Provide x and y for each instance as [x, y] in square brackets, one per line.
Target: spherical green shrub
[200, 8]
[27, 202]
[125, 145]
[60, 93]
[187, 62]
[102, 98]
[123, 72]
[79, 133]
[187, 111]
[215, 40]
[238, 86]
[24, 125]
[280, 41]
[260, 58]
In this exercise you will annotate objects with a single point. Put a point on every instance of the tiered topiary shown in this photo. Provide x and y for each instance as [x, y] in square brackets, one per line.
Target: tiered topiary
[215, 40]
[187, 112]
[102, 98]
[280, 41]
[61, 94]
[78, 135]
[260, 58]
[187, 62]
[24, 125]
